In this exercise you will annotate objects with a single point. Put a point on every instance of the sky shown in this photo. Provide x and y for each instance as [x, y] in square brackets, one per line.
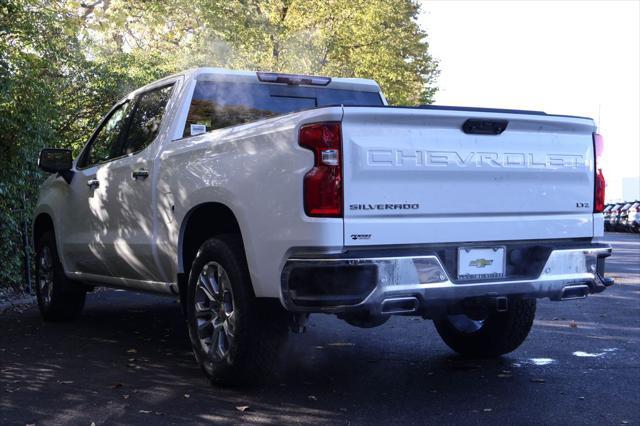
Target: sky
[561, 57]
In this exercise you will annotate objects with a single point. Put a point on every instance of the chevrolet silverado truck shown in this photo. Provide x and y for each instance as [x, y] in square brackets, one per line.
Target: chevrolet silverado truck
[258, 198]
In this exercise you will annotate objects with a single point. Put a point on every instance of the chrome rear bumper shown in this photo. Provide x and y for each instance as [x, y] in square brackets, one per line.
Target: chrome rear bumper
[416, 284]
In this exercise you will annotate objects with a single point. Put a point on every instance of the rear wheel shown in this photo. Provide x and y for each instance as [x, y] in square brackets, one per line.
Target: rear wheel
[59, 299]
[235, 336]
[496, 334]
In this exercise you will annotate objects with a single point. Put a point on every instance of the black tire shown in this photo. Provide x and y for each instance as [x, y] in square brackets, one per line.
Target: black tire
[59, 299]
[499, 333]
[251, 331]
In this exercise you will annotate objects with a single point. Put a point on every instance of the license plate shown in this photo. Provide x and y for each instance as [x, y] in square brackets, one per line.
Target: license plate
[481, 263]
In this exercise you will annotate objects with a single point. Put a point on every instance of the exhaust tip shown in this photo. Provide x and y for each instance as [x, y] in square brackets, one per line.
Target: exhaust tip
[574, 292]
[399, 305]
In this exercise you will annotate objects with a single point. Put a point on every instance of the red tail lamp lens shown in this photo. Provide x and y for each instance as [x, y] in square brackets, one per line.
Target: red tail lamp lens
[600, 183]
[323, 183]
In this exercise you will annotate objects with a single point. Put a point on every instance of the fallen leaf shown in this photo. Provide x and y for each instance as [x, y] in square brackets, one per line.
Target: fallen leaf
[125, 396]
[242, 408]
[116, 386]
[535, 380]
[186, 395]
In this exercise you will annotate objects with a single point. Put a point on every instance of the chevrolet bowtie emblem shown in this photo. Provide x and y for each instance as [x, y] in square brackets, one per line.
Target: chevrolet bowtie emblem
[481, 263]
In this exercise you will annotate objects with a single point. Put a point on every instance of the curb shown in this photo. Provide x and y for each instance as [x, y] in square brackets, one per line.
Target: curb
[17, 301]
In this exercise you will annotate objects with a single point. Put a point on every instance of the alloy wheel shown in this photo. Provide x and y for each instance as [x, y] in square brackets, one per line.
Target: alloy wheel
[45, 282]
[214, 312]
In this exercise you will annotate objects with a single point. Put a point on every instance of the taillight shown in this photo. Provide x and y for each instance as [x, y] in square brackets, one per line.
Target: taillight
[598, 199]
[323, 183]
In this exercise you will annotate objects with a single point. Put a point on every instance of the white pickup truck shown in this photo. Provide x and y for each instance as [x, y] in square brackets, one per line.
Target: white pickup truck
[259, 198]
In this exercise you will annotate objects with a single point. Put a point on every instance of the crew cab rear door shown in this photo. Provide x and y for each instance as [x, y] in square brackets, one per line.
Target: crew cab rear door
[130, 224]
[417, 176]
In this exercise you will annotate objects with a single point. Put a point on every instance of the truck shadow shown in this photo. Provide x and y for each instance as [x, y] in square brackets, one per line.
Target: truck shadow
[128, 359]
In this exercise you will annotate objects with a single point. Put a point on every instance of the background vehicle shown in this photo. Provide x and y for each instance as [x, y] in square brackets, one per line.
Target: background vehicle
[259, 198]
[633, 219]
[621, 218]
[614, 216]
[607, 216]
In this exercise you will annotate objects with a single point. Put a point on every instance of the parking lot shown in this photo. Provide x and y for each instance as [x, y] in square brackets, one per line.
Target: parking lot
[128, 360]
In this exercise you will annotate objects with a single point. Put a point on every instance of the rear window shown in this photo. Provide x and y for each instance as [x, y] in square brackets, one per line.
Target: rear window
[216, 105]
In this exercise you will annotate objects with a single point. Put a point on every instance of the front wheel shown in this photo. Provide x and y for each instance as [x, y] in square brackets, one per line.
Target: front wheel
[497, 334]
[59, 299]
[235, 336]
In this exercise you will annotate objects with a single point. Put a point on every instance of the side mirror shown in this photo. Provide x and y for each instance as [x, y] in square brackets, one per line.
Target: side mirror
[55, 160]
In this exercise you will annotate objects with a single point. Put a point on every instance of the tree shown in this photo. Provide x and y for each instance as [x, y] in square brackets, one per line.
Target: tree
[377, 39]
[64, 63]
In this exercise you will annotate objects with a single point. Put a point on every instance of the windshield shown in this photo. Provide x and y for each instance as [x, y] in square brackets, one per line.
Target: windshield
[216, 105]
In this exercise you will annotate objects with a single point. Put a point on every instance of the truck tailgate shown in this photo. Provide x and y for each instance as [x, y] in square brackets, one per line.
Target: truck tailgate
[413, 176]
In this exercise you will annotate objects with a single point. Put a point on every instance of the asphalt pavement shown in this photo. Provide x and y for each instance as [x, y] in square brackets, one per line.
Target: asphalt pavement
[127, 360]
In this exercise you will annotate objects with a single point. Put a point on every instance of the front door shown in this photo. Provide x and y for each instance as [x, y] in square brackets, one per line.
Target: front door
[87, 213]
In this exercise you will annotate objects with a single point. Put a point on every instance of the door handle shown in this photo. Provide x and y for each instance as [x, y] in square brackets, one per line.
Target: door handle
[93, 183]
[140, 174]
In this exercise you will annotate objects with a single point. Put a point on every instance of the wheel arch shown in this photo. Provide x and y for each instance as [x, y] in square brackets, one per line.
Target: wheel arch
[202, 222]
[41, 225]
